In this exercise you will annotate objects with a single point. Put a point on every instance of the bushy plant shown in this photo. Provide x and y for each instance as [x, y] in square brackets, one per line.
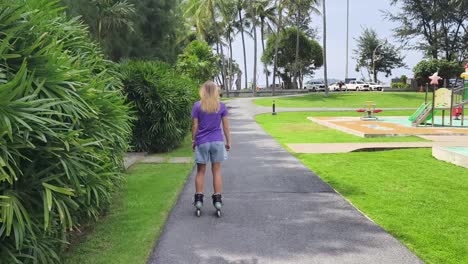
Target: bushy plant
[198, 62]
[446, 69]
[400, 85]
[163, 100]
[64, 127]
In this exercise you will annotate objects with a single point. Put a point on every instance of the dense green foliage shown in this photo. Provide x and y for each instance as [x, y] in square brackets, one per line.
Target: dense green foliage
[158, 28]
[400, 85]
[310, 54]
[163, 101]
[376, 55]
[439, 28]
[198, 62]
[64, 128]
[446, 69]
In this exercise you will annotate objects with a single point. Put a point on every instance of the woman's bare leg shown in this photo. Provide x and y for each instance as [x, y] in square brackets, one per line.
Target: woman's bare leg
[217, 179]
[199, 180]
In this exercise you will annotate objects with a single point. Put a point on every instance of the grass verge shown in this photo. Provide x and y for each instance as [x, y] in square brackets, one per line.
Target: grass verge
[184, 150]
[294, 127]
[137, 215]
[418, 199]
[348, 99]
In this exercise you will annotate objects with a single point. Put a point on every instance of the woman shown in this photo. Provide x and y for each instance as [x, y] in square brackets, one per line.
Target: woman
[208, 142]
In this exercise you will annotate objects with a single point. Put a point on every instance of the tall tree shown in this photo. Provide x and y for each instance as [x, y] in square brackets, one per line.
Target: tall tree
[156, 29]
[441, 25]
[228, 11]
[113, 14]
[241, 26]
[266, 16]
[311, 54]
[204, 13]
[376, 55]
[279, 26]
[299, 11]
[254, 29]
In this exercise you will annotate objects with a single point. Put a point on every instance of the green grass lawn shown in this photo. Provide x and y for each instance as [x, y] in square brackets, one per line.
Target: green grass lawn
[134, 221]
[294, 127]
[184, 150]
[350, 99]
[418, 199]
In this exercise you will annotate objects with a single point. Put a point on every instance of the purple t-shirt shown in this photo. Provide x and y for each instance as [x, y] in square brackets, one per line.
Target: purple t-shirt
[209, 124]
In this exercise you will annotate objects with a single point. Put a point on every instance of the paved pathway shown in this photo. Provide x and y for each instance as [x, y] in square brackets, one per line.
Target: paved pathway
[142, 157]
[276, 211]
[312, 148]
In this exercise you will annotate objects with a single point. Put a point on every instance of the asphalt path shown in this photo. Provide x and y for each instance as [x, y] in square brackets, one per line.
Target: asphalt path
[275, 211]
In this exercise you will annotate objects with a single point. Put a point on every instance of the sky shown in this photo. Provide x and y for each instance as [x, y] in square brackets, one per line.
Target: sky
[362, 14]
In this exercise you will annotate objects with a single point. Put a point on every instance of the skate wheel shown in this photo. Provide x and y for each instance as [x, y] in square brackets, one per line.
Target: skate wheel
[218, 213]
[198, 213]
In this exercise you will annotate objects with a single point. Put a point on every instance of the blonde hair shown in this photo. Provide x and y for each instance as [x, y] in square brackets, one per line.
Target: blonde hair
[209, 94]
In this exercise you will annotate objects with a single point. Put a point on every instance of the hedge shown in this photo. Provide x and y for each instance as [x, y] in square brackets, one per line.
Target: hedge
[163, 100]
[64, 127]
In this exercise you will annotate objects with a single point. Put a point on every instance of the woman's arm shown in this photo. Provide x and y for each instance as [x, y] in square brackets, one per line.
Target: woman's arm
[194, 131]
[227, 132]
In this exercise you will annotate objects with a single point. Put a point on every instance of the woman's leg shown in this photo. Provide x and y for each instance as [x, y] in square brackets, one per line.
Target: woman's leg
[201, 169]
[217, 179]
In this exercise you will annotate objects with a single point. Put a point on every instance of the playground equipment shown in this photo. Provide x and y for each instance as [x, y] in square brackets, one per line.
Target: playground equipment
[443, 99]
[369, 111]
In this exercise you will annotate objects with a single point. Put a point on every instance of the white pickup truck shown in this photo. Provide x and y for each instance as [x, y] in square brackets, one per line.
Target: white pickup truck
[357, 86]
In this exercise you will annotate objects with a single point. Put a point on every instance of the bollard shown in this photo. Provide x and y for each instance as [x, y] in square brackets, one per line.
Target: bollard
[274, 108]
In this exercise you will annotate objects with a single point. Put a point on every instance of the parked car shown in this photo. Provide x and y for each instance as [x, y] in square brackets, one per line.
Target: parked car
[336, 86]
[315, 86]
[375, 86]
[357, 86]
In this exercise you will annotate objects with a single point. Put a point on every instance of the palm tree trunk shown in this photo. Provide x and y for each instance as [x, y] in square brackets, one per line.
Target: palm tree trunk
[263, 51]
[230, 62]
[278, 29]
[297, 49]
[218, 42]
[325, 49]
[99, 30]
[223, 67]
[254, 26]
[243, 48]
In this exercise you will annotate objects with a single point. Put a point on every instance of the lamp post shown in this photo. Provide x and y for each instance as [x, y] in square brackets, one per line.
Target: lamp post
[347, 38]
[374, 59]
[325, 77]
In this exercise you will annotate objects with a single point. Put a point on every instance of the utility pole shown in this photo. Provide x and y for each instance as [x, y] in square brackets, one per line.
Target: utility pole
[347, 38]
[325, 48]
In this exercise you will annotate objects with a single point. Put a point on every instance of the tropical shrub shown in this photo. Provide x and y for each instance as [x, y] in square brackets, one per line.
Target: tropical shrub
[446, 69]
[163, 100]
[198, 62]
[64, 127]
[400, 85]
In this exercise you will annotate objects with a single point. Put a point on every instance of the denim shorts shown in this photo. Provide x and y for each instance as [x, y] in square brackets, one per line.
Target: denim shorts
[210, 152]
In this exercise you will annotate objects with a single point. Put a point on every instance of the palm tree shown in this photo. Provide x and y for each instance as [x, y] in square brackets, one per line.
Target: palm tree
[203, 14]
[113, 14]
[279, 7]
[241, 25]
[267, 18]
[254, 29]
[229, 16]
[300, 8]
